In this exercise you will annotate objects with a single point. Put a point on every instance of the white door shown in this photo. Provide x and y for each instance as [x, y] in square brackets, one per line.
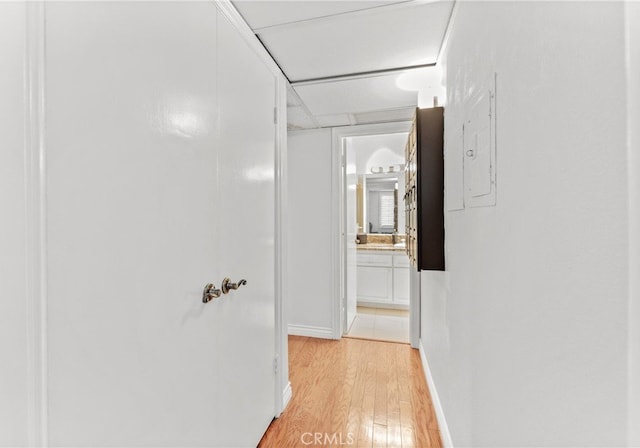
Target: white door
[246, 210]
[148, 186]
[351, 230]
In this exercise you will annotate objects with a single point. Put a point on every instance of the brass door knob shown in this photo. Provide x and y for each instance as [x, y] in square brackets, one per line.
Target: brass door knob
[210, 292]
[227, 285]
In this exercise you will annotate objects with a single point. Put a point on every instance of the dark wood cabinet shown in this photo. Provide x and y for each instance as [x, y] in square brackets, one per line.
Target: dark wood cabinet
[424, 194]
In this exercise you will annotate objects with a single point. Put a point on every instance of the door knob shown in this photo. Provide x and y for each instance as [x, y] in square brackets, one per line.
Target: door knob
[227, 285]
[210, 292]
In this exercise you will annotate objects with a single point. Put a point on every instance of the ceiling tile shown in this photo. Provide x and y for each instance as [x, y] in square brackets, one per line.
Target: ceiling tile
[356, 95]
[297, 118]
[327, 121]
[381, 38]
[259, 14]
[292, 97]
[384, 116]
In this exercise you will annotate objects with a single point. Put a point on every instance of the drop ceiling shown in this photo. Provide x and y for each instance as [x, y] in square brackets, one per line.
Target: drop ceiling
[343, 58]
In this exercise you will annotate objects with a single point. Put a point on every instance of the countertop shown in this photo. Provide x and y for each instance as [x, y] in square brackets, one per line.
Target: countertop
[382, 247]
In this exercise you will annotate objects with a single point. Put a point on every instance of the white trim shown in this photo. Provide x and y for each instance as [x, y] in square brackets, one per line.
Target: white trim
[311, 332]
[338, 249]
[632, 19]
[287, 393]
[360, 75]
[36, 219]
[383, 305]
[447, 34]
[435, 400]
[232, 14]
[415, 303]
[337, 257]
[281, 341]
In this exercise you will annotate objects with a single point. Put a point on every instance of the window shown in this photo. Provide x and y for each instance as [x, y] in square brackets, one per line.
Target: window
[387, 206]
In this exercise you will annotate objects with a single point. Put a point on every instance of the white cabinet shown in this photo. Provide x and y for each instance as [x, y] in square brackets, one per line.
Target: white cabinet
[400, 261]
[375, 259]
[374, 283]
[383, 279]
[401, 285]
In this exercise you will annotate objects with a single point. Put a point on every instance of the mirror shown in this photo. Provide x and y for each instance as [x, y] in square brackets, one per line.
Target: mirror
[380, 203]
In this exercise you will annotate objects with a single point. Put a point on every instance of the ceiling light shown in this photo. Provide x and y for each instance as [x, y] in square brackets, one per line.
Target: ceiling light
[427, 82]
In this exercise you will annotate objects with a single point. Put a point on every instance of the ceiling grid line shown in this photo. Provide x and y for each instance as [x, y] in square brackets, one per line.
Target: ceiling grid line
[353, 13]
[353, 61]
[348, 76]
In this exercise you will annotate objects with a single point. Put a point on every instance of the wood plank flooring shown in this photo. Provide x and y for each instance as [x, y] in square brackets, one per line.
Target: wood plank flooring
[354, 392]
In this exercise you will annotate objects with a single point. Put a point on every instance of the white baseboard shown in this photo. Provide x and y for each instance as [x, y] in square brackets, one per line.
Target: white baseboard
[287, 393]
[312, 332]
[391, 306]
[442, 422]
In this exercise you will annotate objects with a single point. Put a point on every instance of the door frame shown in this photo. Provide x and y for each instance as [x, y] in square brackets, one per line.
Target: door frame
[338, 224]
[283, 385]
[632, 18]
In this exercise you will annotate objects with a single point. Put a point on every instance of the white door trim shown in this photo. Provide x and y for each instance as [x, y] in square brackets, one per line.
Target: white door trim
[232, 14]
[632, 18]
[36, 225]
[338, 248]
[283, 387]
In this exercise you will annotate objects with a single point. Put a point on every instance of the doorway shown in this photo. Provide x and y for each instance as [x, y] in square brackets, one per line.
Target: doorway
[374, 279]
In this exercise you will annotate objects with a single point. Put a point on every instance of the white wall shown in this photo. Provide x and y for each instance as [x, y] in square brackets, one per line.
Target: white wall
[528, 342]
[374, 151]
[13, 281]
[309, 242]
[633, 118]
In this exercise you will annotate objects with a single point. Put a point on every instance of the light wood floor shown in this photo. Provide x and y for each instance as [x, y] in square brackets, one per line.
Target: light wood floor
[369, 393]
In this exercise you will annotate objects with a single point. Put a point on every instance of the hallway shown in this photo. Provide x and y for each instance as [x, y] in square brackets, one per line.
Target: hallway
[358, 392]
[194, 206]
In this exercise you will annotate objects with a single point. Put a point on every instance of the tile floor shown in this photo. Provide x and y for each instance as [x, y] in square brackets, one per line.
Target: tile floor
[380, 324]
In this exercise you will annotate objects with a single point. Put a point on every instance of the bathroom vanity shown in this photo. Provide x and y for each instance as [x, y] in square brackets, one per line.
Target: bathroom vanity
[383, 276]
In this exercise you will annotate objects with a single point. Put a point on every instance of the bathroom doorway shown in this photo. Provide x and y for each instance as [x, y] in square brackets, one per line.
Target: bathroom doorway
[375, 300]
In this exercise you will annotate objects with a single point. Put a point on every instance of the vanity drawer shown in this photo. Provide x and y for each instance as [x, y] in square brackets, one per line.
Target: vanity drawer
[374, 260]
[400, 261]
